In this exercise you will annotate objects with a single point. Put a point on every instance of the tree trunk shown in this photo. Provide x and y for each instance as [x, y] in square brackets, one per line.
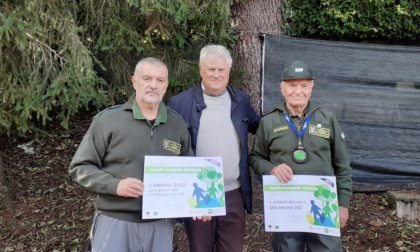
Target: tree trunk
[252, 17]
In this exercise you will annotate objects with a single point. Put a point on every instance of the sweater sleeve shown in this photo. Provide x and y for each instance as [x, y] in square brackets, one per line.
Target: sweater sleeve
[186, 149]
[85, 167]
[259, 158]
[341, 165]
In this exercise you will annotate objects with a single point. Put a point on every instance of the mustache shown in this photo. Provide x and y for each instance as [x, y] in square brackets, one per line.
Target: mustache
[152, 91]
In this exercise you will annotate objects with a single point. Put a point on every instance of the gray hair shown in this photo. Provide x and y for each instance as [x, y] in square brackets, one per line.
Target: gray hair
[151, 61]
[215, 51]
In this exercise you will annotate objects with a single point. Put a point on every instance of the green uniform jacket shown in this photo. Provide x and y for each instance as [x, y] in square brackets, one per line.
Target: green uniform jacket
[114, 148]
[323, 140]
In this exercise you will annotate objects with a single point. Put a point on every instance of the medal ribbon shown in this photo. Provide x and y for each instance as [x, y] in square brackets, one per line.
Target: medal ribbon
[305, 124]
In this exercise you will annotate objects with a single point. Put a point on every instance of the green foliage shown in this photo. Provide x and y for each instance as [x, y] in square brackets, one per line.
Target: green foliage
[46, 70]
[60, 56]
[356, 20]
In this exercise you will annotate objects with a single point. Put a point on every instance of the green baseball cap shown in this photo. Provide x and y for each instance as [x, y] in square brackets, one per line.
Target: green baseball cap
[297, 70]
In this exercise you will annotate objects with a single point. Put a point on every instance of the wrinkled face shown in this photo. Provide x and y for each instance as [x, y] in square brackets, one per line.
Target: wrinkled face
[150, 82]
[215, 74]
[297, 92]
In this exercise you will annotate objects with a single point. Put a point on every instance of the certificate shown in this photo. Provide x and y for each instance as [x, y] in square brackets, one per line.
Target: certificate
[176, 187]
[304, 204]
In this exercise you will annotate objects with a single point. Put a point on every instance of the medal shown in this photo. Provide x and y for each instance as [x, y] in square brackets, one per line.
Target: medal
[299, 155]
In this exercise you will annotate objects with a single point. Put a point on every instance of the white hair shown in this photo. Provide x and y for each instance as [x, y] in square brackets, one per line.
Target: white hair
[215, 51]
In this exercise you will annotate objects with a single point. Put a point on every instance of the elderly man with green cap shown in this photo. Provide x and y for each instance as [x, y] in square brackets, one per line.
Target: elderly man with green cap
[303, 138]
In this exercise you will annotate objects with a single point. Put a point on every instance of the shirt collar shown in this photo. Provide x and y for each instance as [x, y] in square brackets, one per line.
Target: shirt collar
[161, 117]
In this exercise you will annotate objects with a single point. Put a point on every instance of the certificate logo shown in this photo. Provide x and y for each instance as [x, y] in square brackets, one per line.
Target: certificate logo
[208, 191]
[324, 207]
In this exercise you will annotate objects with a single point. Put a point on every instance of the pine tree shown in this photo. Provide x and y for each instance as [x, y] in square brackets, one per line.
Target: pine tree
[60, 56]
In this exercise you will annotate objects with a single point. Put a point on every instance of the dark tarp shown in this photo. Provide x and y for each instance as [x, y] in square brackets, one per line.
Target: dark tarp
[374, 90]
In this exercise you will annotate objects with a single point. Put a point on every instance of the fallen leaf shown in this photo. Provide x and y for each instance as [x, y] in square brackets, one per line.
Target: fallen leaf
[376, 223]
[399, 243]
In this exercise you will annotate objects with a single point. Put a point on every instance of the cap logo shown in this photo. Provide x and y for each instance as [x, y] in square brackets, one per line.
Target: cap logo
[299, 70]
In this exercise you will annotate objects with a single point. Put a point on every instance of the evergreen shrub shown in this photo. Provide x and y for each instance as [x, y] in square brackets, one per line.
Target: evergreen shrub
[391, 21]
[61, 56]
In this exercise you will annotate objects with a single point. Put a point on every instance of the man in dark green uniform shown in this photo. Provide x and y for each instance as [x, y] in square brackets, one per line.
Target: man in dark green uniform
[303, 138]
[110, 162]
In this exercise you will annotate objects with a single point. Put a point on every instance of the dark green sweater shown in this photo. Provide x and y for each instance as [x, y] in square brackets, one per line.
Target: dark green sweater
[323, 141]
[114, 148]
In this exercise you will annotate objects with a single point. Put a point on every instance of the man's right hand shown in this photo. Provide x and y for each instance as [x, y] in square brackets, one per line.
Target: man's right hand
[204, 218]
[130, 187]
[283, 172]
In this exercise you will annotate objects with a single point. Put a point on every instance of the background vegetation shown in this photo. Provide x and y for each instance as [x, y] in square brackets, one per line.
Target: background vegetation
[61, 56]
[385, 21]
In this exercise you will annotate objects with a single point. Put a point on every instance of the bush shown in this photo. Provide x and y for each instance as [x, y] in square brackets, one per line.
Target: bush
[355, 20]
[61, 56]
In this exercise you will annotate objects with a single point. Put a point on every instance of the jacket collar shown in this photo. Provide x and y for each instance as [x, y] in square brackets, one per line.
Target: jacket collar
[198, 93]
[128, 105]
[311, 107]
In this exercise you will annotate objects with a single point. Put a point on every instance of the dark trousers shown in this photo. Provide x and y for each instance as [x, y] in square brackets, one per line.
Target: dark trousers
[222, 233]
[297, 242]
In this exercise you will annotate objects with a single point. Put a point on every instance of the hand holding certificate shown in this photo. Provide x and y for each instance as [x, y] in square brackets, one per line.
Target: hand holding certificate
[176, 187]
[304, 204]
